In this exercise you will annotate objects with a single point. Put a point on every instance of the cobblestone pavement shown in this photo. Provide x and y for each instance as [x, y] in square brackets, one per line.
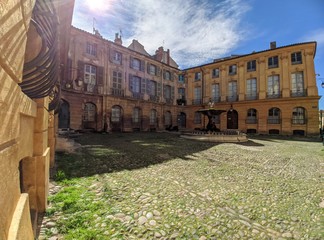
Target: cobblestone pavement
[264, 189]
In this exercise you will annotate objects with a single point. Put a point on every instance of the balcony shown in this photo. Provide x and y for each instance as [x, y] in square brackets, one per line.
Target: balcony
[182, 102]
[216, 99]
[117, 92]
[251, 120]
[272, 120]
[300, 121]
[154, 98]
[298, 93]
[232, 98]
[274, 95]
[197, 102]
[252, 96]
[138, 95]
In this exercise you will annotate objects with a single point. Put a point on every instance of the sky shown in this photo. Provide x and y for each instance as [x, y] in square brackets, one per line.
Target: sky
[198, 31]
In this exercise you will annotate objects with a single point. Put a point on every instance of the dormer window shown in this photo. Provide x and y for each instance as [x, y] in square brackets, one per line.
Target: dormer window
[296, 58]
[232, 69]
[91, 49]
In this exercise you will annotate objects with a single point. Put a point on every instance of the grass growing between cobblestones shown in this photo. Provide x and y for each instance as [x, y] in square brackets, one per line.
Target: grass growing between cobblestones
[159, 186]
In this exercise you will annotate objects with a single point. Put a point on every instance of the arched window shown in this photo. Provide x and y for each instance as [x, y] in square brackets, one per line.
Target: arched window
[153, 115]
[274, 116]
[116, 114]
[168, 118]
[197, 119]
[89, 112]
[299, 115]
[251, 116]
[136, 115]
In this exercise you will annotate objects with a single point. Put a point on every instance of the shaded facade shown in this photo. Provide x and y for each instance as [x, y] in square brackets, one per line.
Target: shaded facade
[109, 86]
[29, 95]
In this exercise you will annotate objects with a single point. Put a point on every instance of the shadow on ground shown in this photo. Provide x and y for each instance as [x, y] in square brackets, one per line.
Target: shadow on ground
[104, 153]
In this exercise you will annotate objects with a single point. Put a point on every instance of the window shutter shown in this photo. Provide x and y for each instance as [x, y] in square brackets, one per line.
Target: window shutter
[171, 76]
[172, 92]
[80, 70]
[159, 90]
[142, 66]
[111, 55]
[100, 75]
[148, 86]
[164, 74]
[158, 71]
[130, 80]
[148, 67]
[131, 62]
[164, 91]
[143, 85]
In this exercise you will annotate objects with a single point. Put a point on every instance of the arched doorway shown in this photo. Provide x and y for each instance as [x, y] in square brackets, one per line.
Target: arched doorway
[90, 116]
[232, 119]
[182, 120]
[64, 115]
[116, 119]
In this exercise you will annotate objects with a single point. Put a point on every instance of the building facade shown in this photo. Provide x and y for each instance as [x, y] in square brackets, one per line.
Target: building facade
[111, 87]
[29, 95]
[268, 92]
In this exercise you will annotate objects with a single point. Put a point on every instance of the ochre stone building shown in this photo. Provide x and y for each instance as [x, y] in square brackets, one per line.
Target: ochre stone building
[30, 40]
[107, 85]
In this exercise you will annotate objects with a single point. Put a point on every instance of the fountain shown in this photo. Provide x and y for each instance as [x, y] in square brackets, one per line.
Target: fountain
[211, 133]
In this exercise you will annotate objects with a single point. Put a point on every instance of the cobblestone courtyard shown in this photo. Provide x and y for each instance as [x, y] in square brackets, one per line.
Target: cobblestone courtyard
[159, 186]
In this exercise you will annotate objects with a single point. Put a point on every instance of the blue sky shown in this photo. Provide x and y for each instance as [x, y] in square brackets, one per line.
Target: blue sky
[197, 31]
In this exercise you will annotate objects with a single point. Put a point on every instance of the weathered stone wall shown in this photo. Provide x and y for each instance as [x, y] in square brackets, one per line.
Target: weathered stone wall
[27, 132]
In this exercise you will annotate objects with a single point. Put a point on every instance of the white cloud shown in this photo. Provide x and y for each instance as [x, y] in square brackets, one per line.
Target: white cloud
[316, 35]
[194, 31]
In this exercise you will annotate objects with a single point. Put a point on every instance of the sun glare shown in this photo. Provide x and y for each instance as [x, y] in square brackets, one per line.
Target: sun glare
[98, 6]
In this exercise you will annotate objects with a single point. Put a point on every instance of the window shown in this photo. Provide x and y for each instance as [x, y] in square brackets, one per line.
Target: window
[117, 57]
[297, 84]
[167, 75]
[136, 64]
[298, 115]
[153, 119]
[90, 75]
[274, 116]
[152, 88]
[167, 91]
[215, 73]
[215, 92]
[232, 91]
[251, 66]
[251, 116]
[116, 114]
[296, 58]
[91, 49]
[197, 76]
[273, 86]
[197, 119]
[89, 113]
[117, 80]
[251, 89]
[135, 84]
[197, 96]
[168, 118]
[136, 115]
[152, 69]
[273, 62]
[181, 78]
[232, 69]
[182, 93]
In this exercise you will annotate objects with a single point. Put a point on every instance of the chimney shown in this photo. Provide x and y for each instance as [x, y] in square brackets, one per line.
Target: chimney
[118, 39]
[273, 45]
[168, 56]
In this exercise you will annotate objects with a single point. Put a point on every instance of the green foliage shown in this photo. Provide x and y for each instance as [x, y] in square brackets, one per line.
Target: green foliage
[60, 176]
